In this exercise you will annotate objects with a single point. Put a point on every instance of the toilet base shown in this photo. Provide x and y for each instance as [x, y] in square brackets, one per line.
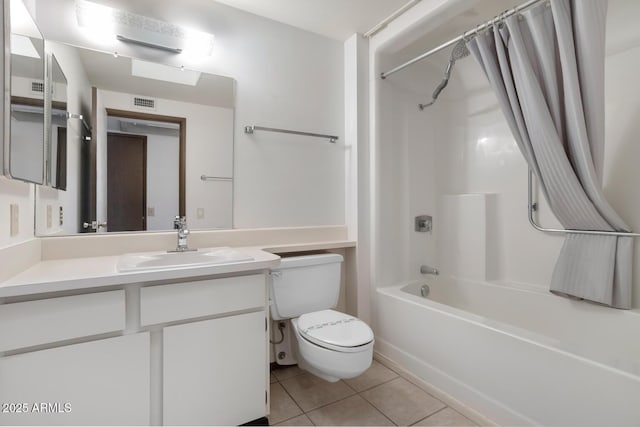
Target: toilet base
[302, 364]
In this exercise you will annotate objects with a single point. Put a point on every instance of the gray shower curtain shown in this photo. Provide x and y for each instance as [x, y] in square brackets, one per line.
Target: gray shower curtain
[546, 67]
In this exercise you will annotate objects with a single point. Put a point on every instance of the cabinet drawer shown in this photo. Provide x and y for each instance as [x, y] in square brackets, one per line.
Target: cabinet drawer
[179, 301]
[30, 323]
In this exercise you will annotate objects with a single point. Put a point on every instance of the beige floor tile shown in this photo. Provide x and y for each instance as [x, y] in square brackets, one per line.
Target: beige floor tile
[282, 405]
[446, 417]
[301, 420]
[375, 375]
[352, 411]
[272, 378]
[284, 373]
[311, 392]
[402, 402]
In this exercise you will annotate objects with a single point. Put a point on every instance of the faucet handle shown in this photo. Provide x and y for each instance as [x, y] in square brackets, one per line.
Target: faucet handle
[179, 222]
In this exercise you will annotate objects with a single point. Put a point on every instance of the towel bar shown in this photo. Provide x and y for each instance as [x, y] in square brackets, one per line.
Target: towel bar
[251, 129]
[533, 206]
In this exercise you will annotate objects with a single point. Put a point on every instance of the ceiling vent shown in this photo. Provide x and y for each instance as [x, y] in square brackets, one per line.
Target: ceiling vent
[37, 86]
[144, 103]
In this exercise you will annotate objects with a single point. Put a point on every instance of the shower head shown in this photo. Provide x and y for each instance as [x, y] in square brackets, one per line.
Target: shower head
[459, 51]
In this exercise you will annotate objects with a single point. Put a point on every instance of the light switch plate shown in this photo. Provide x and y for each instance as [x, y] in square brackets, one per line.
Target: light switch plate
[14, 219]
[200, 213]
[151, 211]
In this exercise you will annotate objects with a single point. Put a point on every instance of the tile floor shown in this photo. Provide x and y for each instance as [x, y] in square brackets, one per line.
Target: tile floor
[379, 397]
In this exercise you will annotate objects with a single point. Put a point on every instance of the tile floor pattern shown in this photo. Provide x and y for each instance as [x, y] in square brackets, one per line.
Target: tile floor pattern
[379, 397]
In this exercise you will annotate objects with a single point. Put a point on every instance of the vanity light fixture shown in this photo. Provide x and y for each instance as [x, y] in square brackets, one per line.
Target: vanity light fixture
[141, 30]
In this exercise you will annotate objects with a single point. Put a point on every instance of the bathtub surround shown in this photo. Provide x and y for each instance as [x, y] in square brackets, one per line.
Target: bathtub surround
[485, 342]
[555, 109]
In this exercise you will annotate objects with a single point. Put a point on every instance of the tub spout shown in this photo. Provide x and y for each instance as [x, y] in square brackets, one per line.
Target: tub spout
[425, 269]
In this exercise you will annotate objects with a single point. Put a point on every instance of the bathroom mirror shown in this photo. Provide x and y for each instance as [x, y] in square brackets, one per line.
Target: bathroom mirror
[56, 138]
[144, 142]
[24, 149]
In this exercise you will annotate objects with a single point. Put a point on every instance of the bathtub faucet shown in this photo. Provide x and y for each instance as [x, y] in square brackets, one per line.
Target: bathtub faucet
[425, 269]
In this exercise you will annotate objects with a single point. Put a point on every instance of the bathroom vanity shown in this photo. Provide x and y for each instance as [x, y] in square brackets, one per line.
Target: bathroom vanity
[84, 344]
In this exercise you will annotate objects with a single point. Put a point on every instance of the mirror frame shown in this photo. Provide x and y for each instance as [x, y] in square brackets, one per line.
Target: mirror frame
[50, 106]
[6, 86]
[6, 104]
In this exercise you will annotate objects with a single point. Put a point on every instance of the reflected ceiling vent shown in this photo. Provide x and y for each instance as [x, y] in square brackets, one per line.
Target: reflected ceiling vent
[145, 103]
[37, 86]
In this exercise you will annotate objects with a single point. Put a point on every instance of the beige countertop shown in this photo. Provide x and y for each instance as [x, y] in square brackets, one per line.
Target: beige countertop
[93, 272]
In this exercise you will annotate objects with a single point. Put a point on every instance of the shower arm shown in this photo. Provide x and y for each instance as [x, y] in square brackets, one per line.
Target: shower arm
[533, 207]
[464, 36]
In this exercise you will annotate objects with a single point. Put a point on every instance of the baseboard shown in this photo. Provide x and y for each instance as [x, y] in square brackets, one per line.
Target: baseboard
[264, 421]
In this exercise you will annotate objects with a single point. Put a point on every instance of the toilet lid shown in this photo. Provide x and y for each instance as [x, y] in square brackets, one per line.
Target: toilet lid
[334, 328]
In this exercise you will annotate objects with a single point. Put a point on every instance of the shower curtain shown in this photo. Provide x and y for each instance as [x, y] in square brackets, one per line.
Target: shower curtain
[546, 67]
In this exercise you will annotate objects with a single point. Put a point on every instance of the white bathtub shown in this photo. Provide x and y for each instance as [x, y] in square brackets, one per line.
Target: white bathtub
[519, 356]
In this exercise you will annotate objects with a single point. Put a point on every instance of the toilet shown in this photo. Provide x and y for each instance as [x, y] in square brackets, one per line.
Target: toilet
[329, 344]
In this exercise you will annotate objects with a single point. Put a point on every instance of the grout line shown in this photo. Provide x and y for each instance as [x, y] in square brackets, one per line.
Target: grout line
[291, 397]
[430, 415]
[450, 401]
[351, 388]
[380, 411]
[296, 416]
[378, 385]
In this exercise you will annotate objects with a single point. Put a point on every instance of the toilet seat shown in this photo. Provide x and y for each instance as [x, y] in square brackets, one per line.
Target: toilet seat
[335, 331]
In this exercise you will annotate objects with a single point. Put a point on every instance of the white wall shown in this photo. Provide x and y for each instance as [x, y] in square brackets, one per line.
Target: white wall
[21, 194]
[162, 180]
[462, 145]
[286, 78]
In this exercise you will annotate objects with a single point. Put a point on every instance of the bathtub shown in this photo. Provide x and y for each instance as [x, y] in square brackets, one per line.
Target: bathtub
[517, 354]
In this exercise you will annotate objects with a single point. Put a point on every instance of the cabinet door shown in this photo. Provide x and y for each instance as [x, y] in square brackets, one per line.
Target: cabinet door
[103, 382]
[214, 371]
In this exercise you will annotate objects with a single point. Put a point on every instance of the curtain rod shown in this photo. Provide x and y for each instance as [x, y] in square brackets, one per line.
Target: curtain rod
[461, 37]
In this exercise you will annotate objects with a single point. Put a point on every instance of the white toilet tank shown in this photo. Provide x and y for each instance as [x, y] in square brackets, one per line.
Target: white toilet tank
[303, 284]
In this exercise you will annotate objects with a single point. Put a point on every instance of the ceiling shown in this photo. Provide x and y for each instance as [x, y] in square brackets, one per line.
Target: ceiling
[336, 19]
[108, 72]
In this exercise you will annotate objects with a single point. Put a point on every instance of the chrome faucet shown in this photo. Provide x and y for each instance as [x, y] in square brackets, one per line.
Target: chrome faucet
[180, 224]
[425, 269]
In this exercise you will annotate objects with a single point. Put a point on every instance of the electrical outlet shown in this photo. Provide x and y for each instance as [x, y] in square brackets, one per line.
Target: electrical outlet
[49, 216]
[200, 213]
[14, 219]
[151, 211]
[61, 216]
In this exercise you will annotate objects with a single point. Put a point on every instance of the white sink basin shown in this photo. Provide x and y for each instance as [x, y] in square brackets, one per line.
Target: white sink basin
[170, 260]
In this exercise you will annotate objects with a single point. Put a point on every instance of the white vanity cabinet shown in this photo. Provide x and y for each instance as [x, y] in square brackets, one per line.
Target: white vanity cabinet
[214, 371]
[55, 370]
[98, 382]
[185, 352]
